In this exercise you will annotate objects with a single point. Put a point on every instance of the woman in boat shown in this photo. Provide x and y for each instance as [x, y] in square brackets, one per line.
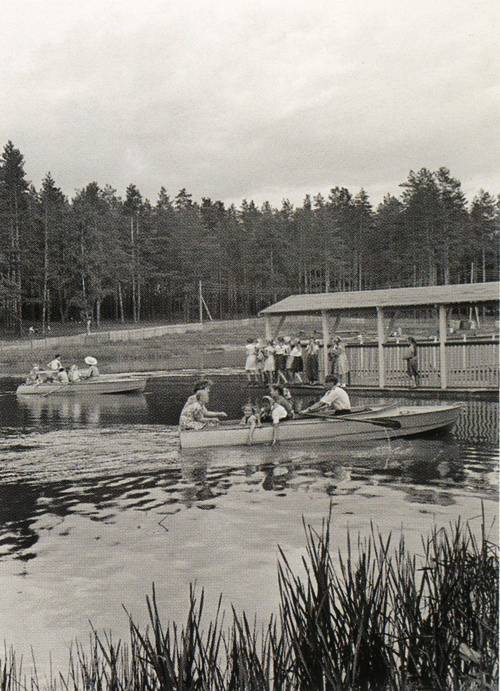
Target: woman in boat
[92, 369]
[278, 413]
[193, 414]
[251, 361]
[412, 362]
[336, 399]
[202, 387]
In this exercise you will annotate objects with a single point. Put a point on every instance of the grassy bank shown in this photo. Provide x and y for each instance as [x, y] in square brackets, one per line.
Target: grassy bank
[192, 349]
[376, 619]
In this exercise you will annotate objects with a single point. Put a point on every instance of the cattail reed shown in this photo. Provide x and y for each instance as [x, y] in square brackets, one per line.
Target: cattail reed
[372, 618]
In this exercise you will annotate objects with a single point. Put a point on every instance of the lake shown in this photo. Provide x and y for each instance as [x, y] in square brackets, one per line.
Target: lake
[97, 502]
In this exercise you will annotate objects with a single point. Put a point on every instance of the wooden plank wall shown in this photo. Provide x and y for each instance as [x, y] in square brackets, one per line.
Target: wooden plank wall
[469, 364]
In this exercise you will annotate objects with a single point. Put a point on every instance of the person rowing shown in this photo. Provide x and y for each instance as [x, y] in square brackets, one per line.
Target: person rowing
[194, 414]
[336, 399]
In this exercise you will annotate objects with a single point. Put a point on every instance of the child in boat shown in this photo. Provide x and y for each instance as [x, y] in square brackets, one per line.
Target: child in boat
[34, 377]
[277, 413]
[73, 374]
[250, 419]
[62, 376]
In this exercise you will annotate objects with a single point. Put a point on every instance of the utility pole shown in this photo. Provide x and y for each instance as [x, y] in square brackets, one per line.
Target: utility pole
[200, 302]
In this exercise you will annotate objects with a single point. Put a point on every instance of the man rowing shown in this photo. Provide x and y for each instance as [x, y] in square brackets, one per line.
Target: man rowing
[336, 399]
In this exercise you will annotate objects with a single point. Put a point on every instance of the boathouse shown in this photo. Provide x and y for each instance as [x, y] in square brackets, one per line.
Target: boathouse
[444, 362]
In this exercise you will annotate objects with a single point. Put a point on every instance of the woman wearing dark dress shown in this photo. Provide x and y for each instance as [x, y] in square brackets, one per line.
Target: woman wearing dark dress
[412, 362]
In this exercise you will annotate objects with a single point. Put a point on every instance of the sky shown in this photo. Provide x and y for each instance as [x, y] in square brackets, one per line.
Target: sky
[254, 99]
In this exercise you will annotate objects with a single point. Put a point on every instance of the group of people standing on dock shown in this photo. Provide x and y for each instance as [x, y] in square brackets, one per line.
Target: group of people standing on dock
[286, 360]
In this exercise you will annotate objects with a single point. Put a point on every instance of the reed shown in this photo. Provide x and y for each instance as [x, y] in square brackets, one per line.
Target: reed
[372, 618]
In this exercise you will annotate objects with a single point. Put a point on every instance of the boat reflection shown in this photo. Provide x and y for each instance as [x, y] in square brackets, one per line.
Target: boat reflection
[85, 409]
[427, 472]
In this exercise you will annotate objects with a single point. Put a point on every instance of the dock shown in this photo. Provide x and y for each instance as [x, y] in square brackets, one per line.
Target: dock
[469, 365]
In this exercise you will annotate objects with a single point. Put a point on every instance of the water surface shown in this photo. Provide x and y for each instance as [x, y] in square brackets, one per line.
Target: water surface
[97, 502]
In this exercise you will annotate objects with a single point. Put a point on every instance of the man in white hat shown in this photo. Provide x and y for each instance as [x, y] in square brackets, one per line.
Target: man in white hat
[92, 370]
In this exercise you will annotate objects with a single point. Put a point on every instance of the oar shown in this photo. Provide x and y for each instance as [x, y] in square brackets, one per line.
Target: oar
[391, 424]
[47, 393]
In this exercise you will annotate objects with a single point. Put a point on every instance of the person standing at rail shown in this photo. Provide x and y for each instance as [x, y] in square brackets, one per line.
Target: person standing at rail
[342, 362]
[411, 358]
[251, 361]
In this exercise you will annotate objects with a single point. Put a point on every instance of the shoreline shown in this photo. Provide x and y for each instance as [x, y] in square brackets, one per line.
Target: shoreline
[238, 376]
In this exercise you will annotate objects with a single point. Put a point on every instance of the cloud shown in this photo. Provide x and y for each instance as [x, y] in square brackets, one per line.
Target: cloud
[251, 99]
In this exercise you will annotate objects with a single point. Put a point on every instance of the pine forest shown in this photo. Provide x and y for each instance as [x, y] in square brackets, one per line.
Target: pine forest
[105, 257]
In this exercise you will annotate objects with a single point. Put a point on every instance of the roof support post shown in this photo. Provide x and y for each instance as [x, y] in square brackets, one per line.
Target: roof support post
[326, 340]
[380, 340]
[442, 347]
[280, 324]
[267, 327]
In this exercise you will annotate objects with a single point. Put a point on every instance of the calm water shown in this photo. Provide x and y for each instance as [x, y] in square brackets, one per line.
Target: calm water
[97, 502]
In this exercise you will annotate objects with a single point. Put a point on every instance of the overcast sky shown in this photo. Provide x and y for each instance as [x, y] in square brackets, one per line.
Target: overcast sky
[253, 99]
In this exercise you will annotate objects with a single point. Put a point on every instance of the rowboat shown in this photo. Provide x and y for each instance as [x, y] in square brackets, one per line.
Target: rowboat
[386, 422]
[92, 387]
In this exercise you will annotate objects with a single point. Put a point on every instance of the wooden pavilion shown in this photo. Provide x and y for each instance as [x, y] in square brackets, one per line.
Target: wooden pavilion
[441, 298]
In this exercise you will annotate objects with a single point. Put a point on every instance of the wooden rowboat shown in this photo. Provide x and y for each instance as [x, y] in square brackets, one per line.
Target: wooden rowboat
[98, 386]
[370, 424]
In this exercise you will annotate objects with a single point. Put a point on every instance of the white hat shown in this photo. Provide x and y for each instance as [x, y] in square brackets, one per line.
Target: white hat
[89, 360]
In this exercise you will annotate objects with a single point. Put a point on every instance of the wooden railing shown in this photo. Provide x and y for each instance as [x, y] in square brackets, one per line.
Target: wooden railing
[470, 364]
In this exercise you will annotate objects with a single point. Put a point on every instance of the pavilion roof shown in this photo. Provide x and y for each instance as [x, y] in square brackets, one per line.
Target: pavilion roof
[312, 303]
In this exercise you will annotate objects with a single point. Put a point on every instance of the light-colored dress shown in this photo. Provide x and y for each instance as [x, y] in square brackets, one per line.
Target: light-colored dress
[269, 365]
[297, 360]
[192, 415]
[251, 361]
[342, 361]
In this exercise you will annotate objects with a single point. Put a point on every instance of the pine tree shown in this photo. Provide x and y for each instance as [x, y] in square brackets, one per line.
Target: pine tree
[13, 212]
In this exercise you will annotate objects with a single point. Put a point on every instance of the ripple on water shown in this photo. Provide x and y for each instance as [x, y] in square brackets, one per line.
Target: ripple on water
[90, 513]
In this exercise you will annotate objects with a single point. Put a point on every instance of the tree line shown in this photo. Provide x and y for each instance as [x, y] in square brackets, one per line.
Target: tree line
[101, 256]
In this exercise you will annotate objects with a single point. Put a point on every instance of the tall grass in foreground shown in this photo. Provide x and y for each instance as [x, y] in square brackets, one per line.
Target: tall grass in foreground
[376, 618]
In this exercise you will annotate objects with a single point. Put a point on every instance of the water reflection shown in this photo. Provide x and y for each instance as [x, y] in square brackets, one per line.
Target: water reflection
[89, 410]
[433, 471]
